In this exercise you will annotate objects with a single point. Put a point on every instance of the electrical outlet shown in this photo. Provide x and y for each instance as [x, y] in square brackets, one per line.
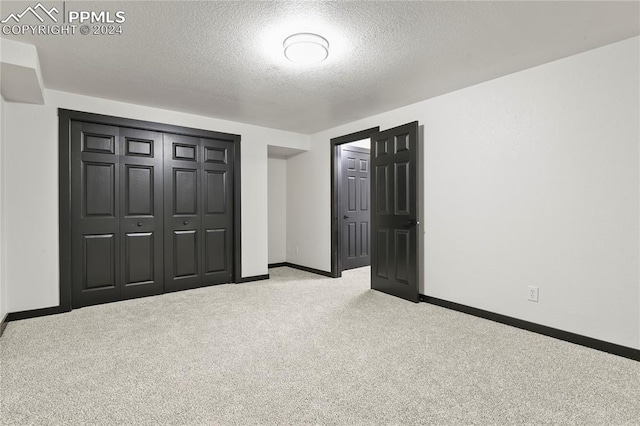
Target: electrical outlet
[533, 293]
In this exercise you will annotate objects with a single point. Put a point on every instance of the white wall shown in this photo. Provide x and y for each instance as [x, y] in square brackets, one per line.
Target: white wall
[364, 143]
[277, 210]
[530, 179]
[21, 75]
[31, 200]
[3, 282]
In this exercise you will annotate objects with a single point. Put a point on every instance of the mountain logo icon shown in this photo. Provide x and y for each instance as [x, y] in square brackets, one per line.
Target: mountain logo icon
[34, 11]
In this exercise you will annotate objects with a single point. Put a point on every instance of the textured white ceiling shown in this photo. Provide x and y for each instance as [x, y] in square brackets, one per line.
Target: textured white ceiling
[224, 59]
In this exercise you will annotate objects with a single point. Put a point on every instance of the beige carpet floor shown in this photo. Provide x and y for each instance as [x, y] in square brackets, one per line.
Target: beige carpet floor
[301, 349]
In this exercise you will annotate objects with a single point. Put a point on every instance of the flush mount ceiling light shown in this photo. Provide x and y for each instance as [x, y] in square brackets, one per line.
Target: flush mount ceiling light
[306, 48]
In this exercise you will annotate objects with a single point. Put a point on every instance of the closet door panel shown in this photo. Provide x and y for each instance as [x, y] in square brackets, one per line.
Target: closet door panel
[182, 222]
[217, 211]
[141, 221]
[95, 206]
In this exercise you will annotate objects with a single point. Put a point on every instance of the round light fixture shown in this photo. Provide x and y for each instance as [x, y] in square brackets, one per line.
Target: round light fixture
[306, 48]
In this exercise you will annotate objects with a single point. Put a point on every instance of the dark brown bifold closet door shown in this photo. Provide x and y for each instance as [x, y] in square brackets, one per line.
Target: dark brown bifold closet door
[198, 212]
[151, 212]
[116, 242]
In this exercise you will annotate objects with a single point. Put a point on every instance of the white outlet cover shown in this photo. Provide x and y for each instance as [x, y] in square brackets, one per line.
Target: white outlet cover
[533, 293]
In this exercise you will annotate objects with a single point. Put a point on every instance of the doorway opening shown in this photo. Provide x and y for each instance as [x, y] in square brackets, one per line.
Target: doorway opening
[376, 207]
[350, 201]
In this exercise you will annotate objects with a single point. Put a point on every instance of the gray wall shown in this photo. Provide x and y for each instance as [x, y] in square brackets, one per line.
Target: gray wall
[3, 282]
[530, 179]
[31, 200]
[277, 170]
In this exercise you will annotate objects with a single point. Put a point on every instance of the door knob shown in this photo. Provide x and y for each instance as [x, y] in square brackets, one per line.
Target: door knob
[185, 223]
[345, 216]
[411, 223]
[139, 224]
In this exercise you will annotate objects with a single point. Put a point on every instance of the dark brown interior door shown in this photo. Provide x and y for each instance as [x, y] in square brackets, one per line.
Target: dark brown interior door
[95, 207]
[354, 204]
[394, 230]
[183, 236]
[141, 223]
